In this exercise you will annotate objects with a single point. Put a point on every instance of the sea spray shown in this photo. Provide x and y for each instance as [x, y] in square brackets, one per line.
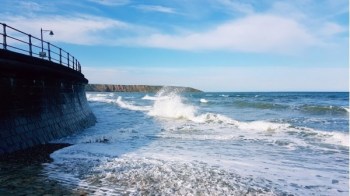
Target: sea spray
[172, 106]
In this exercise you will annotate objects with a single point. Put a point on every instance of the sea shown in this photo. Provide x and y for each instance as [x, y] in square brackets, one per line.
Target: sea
[209, 143]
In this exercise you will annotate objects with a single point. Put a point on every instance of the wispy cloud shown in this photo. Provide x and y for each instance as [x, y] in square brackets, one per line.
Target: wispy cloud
[237, 6]
[268, 32]
[79, 29]
[156, 8]
[30, 6]
[330, 29]
[256, 33]
[111, 2]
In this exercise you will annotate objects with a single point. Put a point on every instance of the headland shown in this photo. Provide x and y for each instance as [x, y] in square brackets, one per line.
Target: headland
[133, 88]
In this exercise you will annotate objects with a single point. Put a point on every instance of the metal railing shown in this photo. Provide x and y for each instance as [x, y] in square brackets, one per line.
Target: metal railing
[21, 42]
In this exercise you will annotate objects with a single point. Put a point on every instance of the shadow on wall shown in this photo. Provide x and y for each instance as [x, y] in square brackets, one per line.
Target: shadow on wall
[40, 101]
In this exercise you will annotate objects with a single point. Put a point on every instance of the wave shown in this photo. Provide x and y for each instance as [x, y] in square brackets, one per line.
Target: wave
[347, 109]
[105, 98]
[259, 105]
[321, 110]
[147, 97]
[129, 106]
[309, 109]
[172, 106]
[203, 101]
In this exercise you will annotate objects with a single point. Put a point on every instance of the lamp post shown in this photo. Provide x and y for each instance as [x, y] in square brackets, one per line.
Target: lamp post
[43, 54]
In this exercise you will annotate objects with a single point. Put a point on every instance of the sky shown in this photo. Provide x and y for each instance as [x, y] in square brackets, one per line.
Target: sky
[211, 45]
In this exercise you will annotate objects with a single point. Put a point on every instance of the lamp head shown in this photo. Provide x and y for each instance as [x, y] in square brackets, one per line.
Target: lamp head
[51, 32]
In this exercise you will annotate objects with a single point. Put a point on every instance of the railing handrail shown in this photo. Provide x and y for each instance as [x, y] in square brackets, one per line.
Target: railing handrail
[62, 57]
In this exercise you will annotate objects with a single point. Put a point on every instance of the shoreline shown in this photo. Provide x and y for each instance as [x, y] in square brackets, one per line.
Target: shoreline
[22, 173]
[35, 155]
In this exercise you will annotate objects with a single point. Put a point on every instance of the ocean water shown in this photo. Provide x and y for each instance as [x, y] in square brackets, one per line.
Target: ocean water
[173, 143]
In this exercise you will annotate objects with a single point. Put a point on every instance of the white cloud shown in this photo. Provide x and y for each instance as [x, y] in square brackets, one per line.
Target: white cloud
[259, 33]
[156, 8]
[30, 6]
[330, 29]
[255, 33]
[78, 29]
[111, 2]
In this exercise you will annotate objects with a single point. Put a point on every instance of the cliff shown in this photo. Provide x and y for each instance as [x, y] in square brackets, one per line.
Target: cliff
[132, 88]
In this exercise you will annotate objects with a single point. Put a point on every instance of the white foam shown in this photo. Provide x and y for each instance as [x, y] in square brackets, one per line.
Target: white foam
[154, 176]
[129, 106]
[203, 100]
[99, 98]
[172, 107]
[214, 118]
[334, 138]
[147, 97]
[262, 125]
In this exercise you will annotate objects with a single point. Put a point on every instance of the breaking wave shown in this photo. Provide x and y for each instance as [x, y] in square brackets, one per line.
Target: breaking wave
[129, 106]
[170, 105]
[147, 97]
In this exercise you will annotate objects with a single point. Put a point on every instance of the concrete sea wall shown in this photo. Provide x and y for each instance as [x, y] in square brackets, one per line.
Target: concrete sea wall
[39, 101]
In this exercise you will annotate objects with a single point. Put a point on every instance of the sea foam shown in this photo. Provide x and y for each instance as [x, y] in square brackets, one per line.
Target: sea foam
[203, 101]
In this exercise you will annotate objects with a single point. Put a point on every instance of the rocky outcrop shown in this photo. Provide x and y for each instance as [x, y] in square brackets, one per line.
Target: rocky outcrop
[133, 88]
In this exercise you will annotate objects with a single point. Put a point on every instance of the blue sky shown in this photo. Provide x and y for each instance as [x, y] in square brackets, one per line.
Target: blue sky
[213, 45]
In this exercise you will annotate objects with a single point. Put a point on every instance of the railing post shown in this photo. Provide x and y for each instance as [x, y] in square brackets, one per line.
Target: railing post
[48, 50]
[60, 56]
[68, 58]
[73, 62]
[4, 37]
[30, 45]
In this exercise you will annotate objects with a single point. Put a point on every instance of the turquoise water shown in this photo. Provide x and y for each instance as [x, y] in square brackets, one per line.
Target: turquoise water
[175, 143]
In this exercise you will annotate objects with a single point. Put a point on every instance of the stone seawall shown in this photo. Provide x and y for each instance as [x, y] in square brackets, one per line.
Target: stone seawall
[39, 101]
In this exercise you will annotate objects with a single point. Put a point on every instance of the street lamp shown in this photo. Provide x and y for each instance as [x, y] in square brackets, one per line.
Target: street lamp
[42, 53]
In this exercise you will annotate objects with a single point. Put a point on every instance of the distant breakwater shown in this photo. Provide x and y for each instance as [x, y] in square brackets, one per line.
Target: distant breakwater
[133, 88]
